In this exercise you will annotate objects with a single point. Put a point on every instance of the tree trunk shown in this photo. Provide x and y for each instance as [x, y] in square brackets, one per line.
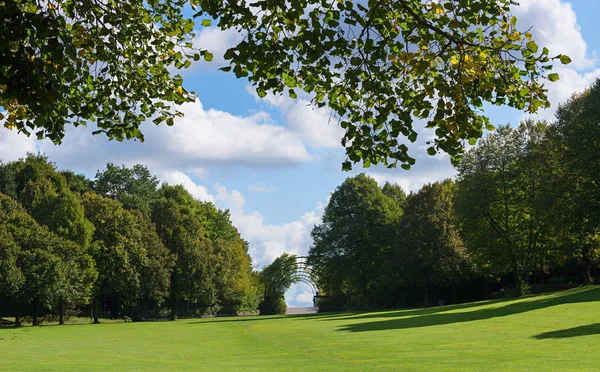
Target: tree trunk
[35, 314]
[519, 282]
[18, 318]
[173, 308]
[61, 318]
[486, 291]
[426, 294]
[542, 271]
[587, 277]
[95, 310]
[454, 298]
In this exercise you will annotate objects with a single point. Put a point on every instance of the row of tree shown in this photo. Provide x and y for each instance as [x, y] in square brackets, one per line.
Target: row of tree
[118, 246]
[525, 206]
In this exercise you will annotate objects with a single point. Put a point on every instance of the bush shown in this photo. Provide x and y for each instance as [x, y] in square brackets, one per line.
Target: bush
[272, 305]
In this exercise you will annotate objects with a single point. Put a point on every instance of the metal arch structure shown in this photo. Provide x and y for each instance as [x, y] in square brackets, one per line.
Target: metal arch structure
[302, 272]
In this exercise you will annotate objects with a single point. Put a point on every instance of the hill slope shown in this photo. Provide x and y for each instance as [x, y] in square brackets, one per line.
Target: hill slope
[559, 331]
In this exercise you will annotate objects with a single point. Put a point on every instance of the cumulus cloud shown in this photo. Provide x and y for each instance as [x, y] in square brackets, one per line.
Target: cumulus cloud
[554, 25]
[202, 138]
[217, 42]
[14, 145]
[315, 125]
[179, 178]
[299, 295]
[268, 241]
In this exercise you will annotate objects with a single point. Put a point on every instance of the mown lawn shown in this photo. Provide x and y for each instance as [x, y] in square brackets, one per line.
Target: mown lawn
[559, 331]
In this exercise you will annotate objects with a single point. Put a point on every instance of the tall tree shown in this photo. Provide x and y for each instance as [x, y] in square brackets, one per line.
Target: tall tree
[118, 252]
[181, 226]
[354, 239]
[431, 250]
[49, 270]
[577, 139]
[156, 272]
[502, 202]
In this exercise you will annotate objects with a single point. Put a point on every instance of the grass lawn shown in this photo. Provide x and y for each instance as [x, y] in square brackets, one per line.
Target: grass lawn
[559, 331]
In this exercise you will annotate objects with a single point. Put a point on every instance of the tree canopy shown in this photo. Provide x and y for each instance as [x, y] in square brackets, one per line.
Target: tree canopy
[130, 248]
[378, 65]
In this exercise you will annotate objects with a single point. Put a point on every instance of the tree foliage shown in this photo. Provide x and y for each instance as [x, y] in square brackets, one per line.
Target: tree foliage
[354, 239]
[432, 249]
[44, 268]
[503, 200]
[378, 65]
[577, 138]
[135, 187]
[277, 278]
[133, 253]
[59, 56]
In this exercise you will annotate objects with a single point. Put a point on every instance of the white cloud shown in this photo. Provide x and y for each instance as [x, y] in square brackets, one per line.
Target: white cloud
[261, 187]
[14, 145]
[217, 42]
[202, 138]
[570, 82]
[267, 241]
[179, 178]
[554, 25]
[299, 295]
[315, 125]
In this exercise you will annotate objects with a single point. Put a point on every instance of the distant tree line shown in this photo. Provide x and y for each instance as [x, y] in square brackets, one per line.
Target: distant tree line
[118, 246]
[524, 210]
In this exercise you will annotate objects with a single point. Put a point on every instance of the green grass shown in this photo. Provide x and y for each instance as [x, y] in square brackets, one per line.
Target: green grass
[559, 331]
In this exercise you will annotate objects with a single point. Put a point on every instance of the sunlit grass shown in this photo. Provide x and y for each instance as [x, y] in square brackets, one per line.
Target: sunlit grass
[559, 331]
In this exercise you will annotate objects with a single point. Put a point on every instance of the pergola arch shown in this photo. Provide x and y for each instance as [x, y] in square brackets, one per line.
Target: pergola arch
[301, 272]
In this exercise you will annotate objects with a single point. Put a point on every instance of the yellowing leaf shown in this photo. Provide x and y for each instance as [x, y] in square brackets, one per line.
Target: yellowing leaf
[528, 35]
[439, 10]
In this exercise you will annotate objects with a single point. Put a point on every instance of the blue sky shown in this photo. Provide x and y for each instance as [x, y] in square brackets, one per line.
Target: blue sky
[273, 162]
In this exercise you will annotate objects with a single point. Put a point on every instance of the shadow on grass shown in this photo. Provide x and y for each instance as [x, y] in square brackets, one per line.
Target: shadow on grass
[427, 319]
[255, 318]
[586, 330]
[396, 313]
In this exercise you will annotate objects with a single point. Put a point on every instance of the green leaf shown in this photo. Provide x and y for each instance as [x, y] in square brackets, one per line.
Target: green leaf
[523, 92]
[553, 77]
[564, 59]
[208, 56]
[431, 151]
[206, 22]
[532, 46]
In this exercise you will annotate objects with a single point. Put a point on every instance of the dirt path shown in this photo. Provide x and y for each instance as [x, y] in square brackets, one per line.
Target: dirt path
[301, 310]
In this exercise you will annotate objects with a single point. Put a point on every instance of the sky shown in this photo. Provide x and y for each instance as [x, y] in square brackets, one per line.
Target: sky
[273, 162]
